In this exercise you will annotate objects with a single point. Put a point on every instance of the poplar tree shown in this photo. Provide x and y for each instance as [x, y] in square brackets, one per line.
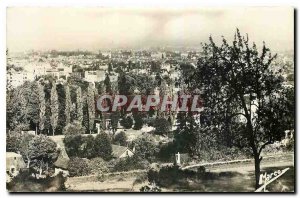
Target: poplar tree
[54, 108]
[42, 107]
[68, 105]
[91, 106]
[79, 104]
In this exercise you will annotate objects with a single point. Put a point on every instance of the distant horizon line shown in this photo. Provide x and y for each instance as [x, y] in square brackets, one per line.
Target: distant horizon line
[113, 49]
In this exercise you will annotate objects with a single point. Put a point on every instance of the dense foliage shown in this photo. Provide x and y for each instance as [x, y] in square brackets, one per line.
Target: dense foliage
[78, 167]
[103, 146]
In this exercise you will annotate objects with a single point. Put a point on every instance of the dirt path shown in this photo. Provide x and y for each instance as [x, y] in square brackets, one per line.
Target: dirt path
[247, 165]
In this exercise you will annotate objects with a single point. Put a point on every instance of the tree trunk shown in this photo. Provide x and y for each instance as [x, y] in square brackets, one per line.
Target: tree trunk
[41, 168]
[257, 170]
[53, 131]
[28, 162]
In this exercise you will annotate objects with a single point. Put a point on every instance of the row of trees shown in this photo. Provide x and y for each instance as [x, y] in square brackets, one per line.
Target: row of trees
[48, 106]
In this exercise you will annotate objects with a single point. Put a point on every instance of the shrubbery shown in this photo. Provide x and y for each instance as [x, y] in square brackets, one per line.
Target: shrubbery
[103, 146]
[74, 128]
[130, 163]
[13, 142]
[24, 182]
[73, 145]
[162, 126]
[138, 121]
[170, 175]
[167, 152]
[149, 188]
[290, 145]
[145, 147]
[98, 166]
[120, 139]
[88, 147]
[78, 167]
[127, 122]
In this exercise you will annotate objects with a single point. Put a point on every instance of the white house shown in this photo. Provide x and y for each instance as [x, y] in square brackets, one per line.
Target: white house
[16, 78]
[94, 76]
[121, 151]
[14, 163]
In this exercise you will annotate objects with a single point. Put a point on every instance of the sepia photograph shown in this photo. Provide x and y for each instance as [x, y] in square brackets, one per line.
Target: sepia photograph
[111, 99]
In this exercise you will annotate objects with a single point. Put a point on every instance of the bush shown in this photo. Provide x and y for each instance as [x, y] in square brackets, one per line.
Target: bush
[103, 146]
[78, 167]
[167, 152]
[24, 182]
[162, 126]
[290, 145]
[149, 121]
[138, 121]
[130, 163]
[150, 189]
[120, 139]
[127, 122]
[12, 143]
[74, 128]
[73, 145]
[98, 166]
[145, 148]
[21, 127]
[88, 147]
[170, 175]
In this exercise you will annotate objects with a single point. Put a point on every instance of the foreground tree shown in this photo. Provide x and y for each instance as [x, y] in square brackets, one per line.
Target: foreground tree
[239, 86]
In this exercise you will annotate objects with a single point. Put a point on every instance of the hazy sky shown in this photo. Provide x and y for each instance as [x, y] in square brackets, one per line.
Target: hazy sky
[96, 28]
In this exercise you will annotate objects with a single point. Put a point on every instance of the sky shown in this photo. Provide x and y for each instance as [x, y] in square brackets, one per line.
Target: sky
[42, 28]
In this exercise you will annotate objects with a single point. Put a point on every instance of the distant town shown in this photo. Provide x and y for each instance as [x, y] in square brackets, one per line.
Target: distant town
[57, 137]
